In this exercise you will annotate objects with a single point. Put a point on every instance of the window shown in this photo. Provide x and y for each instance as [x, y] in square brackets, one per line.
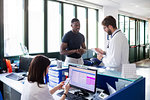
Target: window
[121, 22]
[13, 27]
[132, 32]
[91, 28]
[54, 26]
[127, 27]
[36, 26]
[101, 34]
[81, 15]
[141, 32]
[146, 33]
[57, 25]
[69, 14]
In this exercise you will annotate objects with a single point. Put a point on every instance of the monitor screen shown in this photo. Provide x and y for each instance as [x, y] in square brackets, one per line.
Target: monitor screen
[84, 79]
[24, 63]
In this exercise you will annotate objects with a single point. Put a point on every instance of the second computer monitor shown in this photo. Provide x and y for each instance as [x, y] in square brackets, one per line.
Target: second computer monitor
[84, 79]
[24, 63]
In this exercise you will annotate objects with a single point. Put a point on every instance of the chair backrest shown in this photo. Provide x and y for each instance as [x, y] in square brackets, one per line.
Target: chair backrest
[88, 63]
[1, 97]
[8, 64]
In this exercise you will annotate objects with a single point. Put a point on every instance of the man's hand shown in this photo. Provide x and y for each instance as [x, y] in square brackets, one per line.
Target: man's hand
[80, 51]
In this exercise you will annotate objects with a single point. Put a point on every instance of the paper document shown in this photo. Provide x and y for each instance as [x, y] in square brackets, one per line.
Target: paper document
[93, 49]
[129, 71]
[121, 84]
[111, 89]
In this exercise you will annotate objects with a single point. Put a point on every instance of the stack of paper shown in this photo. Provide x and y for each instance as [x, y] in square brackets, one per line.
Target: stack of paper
[129, 70]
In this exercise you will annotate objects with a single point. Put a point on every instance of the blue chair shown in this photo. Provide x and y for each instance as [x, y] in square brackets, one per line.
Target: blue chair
[1, 97]
[95, 61]
[88, 63]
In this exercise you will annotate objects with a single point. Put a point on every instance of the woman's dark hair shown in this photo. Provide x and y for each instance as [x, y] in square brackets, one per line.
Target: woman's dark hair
[109, 20]
[38, 68]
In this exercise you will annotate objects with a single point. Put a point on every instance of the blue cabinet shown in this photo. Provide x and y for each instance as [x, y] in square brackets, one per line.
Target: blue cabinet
[56, 76]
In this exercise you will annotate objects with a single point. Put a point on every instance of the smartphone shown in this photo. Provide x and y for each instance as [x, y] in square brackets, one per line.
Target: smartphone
[66, 82]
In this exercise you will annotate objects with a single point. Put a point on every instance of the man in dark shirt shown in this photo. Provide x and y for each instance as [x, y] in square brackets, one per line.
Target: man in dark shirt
[73, 44]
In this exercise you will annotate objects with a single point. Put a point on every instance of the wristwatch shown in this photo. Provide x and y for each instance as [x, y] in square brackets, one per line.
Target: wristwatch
[65, 94]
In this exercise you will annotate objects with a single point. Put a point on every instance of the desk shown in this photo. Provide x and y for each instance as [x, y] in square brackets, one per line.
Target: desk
[133, 91]
[12, 89]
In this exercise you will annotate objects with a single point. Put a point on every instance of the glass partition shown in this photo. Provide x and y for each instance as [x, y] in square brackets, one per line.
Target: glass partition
[106, 72]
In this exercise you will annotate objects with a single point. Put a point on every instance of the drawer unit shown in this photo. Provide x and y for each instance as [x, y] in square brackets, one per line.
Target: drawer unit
[56, 75]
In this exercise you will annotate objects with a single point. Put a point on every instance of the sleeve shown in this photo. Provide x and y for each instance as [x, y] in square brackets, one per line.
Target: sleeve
[65, 38]
[83, 38]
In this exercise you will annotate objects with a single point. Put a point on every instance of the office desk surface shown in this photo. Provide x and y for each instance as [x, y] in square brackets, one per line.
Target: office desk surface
[16, 85]
[138, 87]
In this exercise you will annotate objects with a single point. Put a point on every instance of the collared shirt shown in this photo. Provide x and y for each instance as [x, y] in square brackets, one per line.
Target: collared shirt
[117, 52]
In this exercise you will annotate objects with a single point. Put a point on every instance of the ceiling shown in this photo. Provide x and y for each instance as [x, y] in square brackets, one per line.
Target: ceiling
[136, 7]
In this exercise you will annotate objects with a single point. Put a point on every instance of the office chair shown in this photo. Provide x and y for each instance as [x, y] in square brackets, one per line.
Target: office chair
[88, 63]
[1, 97]
[8, 65]
[95, 61]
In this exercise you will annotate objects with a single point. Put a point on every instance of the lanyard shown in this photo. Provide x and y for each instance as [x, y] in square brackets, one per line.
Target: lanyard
[115, 33]
[112, 37]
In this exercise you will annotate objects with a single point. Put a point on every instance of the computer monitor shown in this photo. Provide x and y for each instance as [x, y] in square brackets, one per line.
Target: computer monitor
[24, 63]
[84, 79]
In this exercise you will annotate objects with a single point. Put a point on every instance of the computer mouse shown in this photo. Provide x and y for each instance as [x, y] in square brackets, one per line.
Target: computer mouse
[25, 75]
[76, 93]
[86, 94]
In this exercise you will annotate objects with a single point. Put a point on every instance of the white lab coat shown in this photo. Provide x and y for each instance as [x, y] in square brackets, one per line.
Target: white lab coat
[32, 92]
[118, 51]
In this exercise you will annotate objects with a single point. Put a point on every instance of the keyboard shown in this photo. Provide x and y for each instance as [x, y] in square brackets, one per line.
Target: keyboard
[71, 96]
[15, 77]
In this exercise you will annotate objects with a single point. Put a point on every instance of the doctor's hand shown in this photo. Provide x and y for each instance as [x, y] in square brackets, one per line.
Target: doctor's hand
[99, 56]
[99, 51]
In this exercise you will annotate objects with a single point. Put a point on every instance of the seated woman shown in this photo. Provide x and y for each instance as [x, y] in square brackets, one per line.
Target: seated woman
[35, 88]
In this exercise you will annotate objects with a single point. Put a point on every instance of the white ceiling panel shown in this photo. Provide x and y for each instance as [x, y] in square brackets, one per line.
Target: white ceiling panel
[136, 7]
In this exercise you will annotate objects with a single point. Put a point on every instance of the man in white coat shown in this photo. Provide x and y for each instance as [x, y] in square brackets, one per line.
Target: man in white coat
[117, 51]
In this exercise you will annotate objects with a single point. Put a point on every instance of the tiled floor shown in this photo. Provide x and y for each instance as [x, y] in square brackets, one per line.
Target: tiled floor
[143, 68]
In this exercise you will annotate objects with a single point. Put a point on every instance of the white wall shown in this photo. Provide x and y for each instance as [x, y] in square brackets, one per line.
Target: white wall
[106, 11]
